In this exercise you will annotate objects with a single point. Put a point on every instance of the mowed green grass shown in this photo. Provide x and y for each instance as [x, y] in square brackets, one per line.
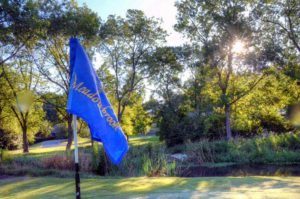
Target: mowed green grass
[144, 187]
[37, 150]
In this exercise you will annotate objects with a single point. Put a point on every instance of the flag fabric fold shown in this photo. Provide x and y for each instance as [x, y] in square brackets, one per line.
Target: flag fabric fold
[88, 100]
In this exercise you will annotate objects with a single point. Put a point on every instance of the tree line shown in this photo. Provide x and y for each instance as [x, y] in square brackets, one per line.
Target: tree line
[238, 74]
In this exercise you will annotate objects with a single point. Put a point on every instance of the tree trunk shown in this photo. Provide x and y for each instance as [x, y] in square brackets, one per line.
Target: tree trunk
[228, 125]
[70, 133]
[25, 140]
[120, 114]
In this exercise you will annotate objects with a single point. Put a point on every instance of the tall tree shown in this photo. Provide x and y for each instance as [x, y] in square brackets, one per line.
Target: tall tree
[165, 69]
[221, 29]
[51, 55]
[279, 26]
[135, 118]
[126, 42]
[282, 18]
[20, 26]
[23, 81]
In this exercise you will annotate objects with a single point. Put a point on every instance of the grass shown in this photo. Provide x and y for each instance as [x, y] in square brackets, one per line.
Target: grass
[36, 149]
[136, 141]
[143, 187]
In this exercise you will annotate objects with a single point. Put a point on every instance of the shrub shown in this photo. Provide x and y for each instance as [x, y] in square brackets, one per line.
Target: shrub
[4, 156]
[10, 140]
[60, 131]
[84, 132]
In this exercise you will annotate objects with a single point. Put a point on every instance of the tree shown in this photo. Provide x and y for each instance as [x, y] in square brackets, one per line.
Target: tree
[217, 27]
[20, 26]
[165, 68]
[170, 109]
[280, 28]
[265, 108]
[135, 118]
[51, 55]
[126, 43]
[282, 18]
[23, 102]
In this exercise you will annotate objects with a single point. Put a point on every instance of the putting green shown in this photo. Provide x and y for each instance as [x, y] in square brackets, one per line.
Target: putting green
[144, 187]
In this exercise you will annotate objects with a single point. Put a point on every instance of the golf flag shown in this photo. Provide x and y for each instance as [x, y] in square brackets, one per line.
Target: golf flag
[87, 100]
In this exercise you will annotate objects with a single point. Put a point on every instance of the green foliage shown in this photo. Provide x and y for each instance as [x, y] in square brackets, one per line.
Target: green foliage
[135, 119]
[84, 132]
[262, 109]
[141, 120]
[45, 129]
[172, 122]
[5, 156]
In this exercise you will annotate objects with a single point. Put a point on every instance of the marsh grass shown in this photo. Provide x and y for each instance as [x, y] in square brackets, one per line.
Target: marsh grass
[284, 148]
[146, 157]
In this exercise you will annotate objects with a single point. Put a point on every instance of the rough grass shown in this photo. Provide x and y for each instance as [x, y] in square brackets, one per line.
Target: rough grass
[145, 157]
[143, 187]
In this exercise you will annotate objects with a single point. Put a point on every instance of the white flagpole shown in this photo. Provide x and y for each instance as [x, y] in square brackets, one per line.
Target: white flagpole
[77, 178]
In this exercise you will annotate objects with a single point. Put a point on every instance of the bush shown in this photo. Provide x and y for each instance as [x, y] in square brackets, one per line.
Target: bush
[10, 140]
[45, 129]
[60, 131]
[179, 123]
[4, 156]
[84, 132]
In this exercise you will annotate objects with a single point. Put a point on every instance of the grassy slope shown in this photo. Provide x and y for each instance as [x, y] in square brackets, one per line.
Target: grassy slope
[166, 187]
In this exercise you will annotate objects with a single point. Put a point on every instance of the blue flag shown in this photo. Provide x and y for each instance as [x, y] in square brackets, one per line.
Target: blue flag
[87, 100]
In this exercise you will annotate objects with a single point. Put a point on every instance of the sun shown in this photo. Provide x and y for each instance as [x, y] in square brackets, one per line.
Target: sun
[238, 47]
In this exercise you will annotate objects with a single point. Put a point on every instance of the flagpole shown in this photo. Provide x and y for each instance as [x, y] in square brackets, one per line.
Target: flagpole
[77, 178]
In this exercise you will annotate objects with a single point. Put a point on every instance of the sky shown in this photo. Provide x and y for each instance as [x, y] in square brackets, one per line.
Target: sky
[163, 9]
